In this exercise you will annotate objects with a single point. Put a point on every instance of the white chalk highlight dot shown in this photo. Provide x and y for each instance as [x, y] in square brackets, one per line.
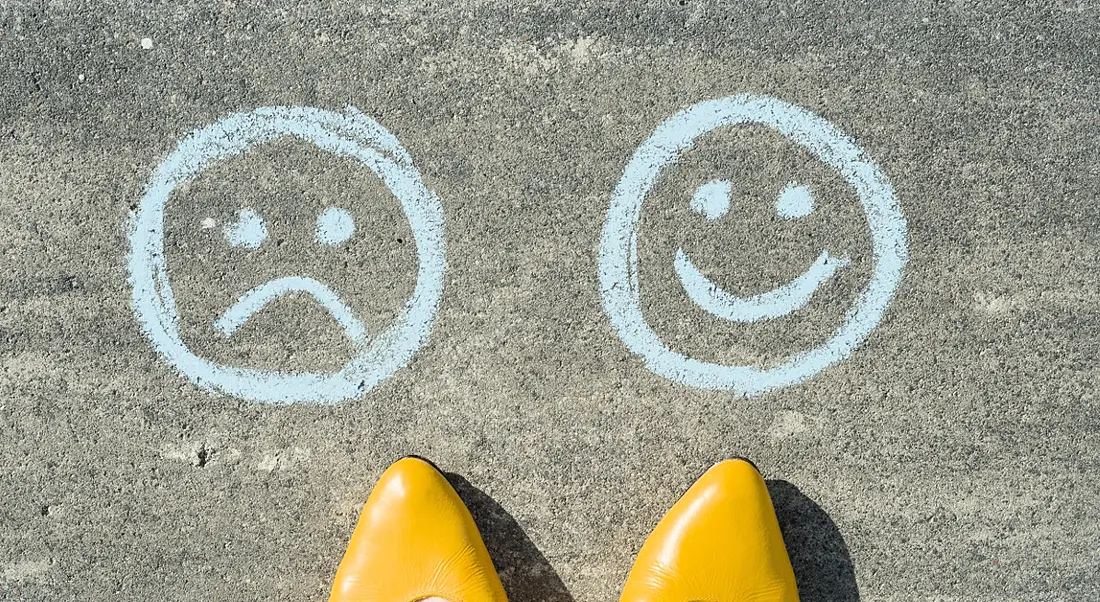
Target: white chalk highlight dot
[248, 231]
[334, 226]
[147, 43]
[712, 200]
[795, 201]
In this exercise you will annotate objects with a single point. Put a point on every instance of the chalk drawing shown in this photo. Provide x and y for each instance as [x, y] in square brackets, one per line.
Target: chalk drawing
[775, 303]
[618, 254]
[334, 226]
[712, 200]
[349, 134]
[248, 231]
[794, 202]
[258, 298]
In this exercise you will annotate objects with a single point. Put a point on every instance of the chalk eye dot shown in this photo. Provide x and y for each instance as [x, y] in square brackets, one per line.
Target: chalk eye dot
[247, 231]
[334, 226]
[712, 200]
[794, 201]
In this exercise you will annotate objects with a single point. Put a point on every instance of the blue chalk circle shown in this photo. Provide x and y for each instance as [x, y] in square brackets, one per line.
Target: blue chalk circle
[794, 202]
[248, 231]
[349, 134]
[618, 253]
[712, 200]
[334, 226]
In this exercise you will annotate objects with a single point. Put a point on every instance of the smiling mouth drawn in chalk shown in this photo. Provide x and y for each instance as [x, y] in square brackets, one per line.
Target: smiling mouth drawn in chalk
[712, 200]
[334, 226]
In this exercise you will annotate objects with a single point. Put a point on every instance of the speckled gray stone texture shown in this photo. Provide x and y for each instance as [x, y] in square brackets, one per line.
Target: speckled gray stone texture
[955, 455]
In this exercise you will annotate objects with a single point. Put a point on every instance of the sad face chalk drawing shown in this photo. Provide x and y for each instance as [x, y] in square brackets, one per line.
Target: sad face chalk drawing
[618, 255]
[349, 134]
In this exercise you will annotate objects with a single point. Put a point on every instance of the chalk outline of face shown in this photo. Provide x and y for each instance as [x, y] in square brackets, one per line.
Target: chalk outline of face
[618, 256]
[350, 134]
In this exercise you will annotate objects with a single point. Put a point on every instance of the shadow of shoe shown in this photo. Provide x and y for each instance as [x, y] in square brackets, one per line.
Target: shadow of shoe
[822, 564]
[524, 571]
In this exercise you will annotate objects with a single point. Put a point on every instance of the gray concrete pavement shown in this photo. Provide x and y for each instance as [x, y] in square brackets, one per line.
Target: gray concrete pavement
[953, 455]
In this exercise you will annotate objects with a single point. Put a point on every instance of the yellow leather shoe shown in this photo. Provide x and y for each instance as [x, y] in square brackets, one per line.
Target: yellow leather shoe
[719, 543]
[415, 539]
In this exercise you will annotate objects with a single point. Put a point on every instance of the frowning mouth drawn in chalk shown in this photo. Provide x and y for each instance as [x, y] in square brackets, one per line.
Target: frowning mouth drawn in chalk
[350, 134]
[259, 297]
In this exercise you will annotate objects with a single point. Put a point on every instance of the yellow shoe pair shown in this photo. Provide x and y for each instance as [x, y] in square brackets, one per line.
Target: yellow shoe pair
[416, 540]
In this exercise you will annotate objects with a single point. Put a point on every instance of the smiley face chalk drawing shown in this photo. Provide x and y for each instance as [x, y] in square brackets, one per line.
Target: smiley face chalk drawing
[618, 256]
[378, 355]
[712, 200]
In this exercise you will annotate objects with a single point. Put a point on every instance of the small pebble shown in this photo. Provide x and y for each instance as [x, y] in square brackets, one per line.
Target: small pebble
[147, 43]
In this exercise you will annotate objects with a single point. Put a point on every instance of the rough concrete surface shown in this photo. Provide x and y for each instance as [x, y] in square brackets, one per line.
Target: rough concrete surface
[954, 455]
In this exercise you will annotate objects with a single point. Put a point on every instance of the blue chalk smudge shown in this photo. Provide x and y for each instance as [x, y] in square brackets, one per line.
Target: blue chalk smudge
[334, 226]
[248, 231]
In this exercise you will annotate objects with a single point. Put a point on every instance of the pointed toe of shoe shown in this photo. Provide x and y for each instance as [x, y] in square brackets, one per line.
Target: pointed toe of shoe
[415, 539]
[720, 542]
